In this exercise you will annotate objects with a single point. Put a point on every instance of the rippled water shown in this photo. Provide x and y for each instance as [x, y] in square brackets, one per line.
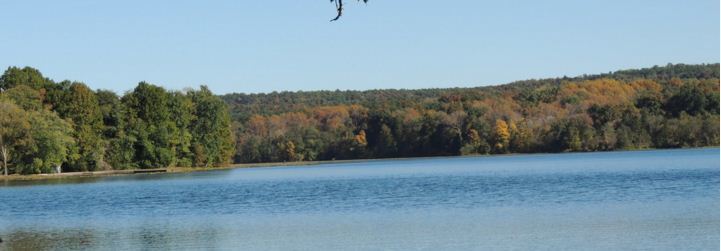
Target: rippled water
[657, 200]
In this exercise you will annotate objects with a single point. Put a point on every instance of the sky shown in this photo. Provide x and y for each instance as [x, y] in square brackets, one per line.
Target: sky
[290, 45]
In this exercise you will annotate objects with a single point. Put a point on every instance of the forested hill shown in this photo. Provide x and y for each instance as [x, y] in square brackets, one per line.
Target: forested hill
[245, 105]
[658, 107]
[47, 125]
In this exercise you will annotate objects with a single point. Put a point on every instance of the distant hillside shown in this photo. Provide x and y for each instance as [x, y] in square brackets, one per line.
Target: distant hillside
[244, 105]
[658, 107]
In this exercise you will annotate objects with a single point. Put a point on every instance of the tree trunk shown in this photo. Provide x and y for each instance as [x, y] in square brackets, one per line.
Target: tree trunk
[4, 152]
[5, 159]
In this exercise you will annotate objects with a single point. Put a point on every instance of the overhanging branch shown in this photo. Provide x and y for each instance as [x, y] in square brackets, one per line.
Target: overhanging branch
[339, 8]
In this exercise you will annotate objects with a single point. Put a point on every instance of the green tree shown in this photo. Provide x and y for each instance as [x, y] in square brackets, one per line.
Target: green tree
[650, 103]
[79, 104]
[571, 134]
[601, 115]
[690, 99]
[182, 108]
[211, 128]
[52, 142]
[150, 126]
[27, 76]
[24, 96]
[119, 151]
[14, 133]
[111, 111]
[520, 137]
[473, 142]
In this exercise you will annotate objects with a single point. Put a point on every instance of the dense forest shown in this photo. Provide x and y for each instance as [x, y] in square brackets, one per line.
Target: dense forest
[659, 107]
[46, 126]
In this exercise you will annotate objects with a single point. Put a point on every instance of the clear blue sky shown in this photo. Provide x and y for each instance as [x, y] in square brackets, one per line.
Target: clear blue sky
[262, 46]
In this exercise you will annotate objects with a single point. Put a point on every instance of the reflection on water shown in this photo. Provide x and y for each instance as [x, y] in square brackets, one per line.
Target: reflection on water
[659, 200]
[144, 237]
[49, 240]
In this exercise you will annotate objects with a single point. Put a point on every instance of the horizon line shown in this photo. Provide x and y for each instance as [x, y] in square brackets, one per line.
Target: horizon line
[472, 86]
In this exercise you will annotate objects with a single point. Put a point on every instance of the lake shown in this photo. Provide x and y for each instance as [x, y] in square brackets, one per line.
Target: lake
[636, 200]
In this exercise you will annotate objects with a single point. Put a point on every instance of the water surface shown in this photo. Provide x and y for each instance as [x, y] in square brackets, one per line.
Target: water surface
[648, 200]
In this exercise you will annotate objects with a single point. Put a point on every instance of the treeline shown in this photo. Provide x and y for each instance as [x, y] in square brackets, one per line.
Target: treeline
[659, 107]
[48, 127]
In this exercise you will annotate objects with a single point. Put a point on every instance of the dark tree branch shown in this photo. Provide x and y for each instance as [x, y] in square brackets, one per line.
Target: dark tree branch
[339, 8]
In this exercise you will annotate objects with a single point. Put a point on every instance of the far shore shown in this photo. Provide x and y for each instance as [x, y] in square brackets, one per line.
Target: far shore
[70, 175]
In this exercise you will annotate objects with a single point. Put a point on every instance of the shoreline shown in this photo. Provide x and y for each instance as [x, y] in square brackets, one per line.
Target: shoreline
[125, 172]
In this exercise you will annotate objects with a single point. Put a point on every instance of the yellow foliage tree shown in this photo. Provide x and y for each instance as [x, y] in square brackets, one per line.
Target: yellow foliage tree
[290, 151]
[502, 136]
